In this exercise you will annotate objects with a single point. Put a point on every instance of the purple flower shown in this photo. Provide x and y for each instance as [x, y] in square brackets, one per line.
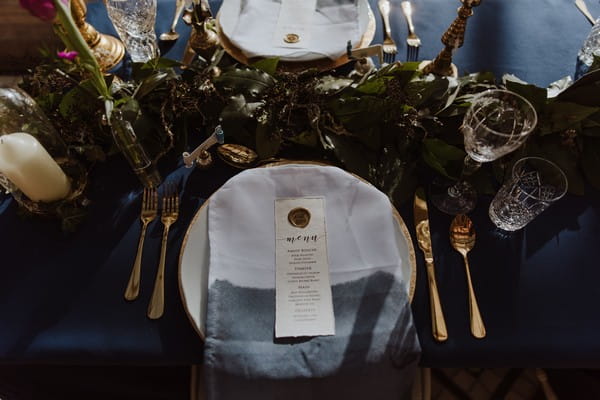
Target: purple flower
[67, 55]
[43, 9]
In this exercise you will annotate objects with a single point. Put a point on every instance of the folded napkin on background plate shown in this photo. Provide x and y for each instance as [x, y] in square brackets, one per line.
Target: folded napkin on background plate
[252, 24]
[375, 350]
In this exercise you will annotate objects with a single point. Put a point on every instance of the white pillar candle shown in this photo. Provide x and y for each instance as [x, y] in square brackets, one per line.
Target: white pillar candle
[28, 165]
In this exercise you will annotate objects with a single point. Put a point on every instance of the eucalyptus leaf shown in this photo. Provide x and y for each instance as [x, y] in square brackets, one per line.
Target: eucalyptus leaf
[427, 91]
[150, 83]
[248, 82]
[376, 85]
[354, 156]
[235, 117]
[535, 95]
[584, 91]
[442, 157]
[268, 65]
[358, 113]
[560, 115]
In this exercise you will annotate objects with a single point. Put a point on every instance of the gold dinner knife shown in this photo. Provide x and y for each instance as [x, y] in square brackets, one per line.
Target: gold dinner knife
[438, 323]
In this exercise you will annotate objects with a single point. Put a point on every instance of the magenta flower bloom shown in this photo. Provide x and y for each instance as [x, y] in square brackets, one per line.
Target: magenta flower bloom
[43, 9]
[67, 55]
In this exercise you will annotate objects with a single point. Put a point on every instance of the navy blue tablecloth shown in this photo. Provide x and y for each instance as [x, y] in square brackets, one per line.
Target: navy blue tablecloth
[61, 296]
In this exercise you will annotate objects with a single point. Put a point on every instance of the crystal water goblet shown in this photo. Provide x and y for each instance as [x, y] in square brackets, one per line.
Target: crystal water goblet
[497, 123]
[134, 21]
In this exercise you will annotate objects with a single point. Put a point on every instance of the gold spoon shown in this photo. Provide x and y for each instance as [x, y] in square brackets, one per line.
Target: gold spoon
[172, 35]
[462, 237]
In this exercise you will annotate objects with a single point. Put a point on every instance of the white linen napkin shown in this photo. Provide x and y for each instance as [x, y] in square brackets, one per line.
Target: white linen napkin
[251, 25]
[375, 349]
[241, 227]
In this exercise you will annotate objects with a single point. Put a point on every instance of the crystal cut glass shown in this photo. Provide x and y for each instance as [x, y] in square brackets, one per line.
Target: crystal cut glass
[134, 22]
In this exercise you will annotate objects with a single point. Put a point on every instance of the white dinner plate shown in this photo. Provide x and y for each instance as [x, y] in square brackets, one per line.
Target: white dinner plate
[194, 260]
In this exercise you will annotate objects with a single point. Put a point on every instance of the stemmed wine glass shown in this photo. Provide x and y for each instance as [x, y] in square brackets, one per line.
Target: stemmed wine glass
[497, 123]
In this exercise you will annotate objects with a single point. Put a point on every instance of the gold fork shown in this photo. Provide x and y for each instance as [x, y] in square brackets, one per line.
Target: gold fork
[389, 46]
[170, 212]
[413, 41]
[149, 207]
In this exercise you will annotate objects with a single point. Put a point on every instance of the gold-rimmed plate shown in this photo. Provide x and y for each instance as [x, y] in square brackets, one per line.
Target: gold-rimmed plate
[195, 255]
[322, 64]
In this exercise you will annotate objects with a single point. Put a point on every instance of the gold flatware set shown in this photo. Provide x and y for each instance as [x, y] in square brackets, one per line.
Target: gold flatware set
[169, 214]
[462, 239]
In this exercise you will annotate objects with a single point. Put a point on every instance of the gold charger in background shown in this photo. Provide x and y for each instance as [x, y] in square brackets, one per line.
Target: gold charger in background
[322, 64]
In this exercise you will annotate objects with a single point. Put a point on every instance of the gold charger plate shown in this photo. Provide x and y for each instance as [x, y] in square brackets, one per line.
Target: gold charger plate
[322, 64]
[194, 258]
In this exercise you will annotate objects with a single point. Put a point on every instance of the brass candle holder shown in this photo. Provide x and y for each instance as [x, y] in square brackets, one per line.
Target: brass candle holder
[108, 50]
[452, 39]
[203, 40]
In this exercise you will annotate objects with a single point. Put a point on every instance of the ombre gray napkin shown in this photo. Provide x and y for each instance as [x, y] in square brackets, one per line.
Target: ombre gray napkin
[375, 349]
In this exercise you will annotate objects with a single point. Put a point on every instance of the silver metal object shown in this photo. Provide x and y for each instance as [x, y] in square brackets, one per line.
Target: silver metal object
[218, 136]
[389, 46]
[581, 6]
[172, 35]
[413, 41]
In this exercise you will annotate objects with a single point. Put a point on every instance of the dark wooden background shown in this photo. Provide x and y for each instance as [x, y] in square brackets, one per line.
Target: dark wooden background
[21, 37]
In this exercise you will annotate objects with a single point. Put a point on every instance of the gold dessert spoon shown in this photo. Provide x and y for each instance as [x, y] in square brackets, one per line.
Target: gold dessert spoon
[462, 238]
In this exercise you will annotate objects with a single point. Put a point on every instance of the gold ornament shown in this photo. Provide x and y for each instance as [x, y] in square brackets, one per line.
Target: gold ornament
[453, 38]
[108, 50]
[203, 39]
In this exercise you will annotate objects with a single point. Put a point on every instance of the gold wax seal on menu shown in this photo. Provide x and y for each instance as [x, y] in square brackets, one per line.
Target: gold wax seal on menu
[299, 217]
[291, 38]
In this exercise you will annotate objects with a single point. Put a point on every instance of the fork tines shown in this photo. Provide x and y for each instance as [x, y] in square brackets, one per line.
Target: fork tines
[170, 199]
[412, 53]
[389, 57]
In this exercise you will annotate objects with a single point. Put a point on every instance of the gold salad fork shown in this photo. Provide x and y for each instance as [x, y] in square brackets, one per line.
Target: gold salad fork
[170, 212]
[389, 46]
[149, 208]
[413, 41]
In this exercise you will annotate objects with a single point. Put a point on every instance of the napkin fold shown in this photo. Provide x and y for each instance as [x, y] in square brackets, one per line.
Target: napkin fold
[375, 350]
[251, 25]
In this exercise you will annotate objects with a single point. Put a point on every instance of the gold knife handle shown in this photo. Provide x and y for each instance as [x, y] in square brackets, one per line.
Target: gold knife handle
[438, 323]
[157, 301]
[477, 326]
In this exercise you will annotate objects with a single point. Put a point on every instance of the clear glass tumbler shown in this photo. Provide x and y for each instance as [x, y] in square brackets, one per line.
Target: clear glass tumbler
[535, 184]
[134, 22]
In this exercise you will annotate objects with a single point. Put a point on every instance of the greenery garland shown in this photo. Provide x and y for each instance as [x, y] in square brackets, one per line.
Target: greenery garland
[393, 126]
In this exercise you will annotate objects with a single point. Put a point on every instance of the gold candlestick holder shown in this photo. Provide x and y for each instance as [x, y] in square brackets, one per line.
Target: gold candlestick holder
[108, 50]
[203, 39]
[452, 39]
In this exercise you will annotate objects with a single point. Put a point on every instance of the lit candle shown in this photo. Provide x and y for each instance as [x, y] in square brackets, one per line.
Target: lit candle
[29, 167]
